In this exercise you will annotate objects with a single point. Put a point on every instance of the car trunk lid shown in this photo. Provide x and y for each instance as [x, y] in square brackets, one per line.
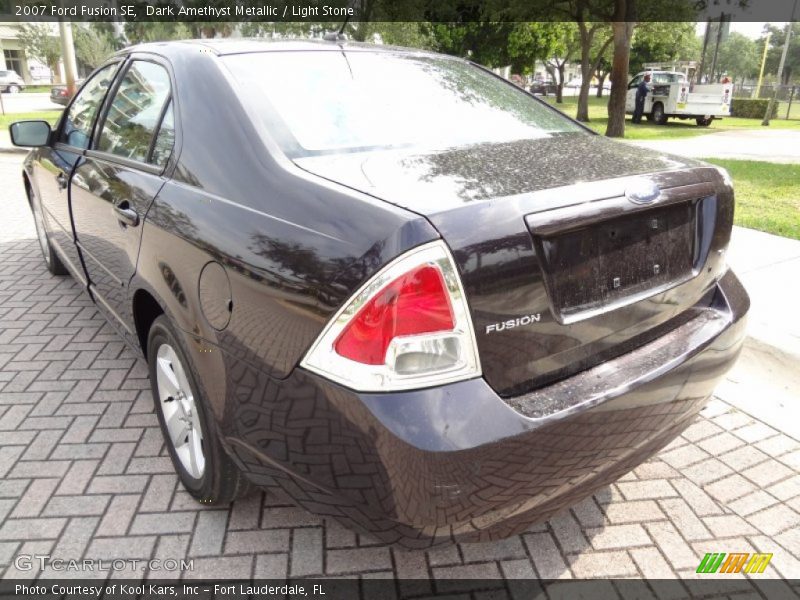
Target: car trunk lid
[561, 268]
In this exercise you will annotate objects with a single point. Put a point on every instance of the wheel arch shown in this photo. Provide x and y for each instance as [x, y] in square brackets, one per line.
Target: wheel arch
[662, 118]
[146, 309]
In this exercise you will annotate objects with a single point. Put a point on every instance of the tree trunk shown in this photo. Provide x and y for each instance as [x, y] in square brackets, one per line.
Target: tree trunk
[583, 99]
[619, 72]
[601, 79]
[560, 86]
[586, 73]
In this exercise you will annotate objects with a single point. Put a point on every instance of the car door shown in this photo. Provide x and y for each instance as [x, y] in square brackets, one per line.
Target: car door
[113, 185]
[630, 98]
[54, 164]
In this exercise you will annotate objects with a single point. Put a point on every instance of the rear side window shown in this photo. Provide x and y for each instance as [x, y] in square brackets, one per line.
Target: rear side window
[165, 139]
[77, 128]
[134, 113]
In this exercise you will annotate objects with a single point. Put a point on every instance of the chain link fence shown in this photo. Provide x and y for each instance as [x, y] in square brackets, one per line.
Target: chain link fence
[788, 97]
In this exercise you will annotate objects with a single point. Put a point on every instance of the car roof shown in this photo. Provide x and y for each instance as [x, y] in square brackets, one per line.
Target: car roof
[227, 46]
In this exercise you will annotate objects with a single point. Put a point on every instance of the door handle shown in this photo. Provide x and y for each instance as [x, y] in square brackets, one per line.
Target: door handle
[125, 214]
[61, 180]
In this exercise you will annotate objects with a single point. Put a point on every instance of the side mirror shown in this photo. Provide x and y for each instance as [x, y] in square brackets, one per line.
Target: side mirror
[30, 133]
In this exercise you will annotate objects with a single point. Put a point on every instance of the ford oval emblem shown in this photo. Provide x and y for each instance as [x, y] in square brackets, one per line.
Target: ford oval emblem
[642, 191]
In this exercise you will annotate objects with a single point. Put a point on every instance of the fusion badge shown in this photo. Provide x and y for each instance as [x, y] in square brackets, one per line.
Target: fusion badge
[511, 323]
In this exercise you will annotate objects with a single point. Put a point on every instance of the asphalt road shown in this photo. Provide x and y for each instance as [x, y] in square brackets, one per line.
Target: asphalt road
[772, 145]
[28, 102]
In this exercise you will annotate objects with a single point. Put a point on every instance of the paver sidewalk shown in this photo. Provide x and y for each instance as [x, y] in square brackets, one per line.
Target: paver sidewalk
[84, 474]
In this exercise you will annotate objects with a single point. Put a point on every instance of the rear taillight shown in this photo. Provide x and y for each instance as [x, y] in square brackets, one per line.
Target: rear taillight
[413, 304]
[408, 327]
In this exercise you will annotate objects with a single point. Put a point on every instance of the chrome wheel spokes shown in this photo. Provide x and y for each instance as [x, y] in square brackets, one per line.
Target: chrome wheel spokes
[181, 417]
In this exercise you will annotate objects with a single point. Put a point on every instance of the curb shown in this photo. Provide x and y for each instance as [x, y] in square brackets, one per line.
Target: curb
[13, 151]
[782, 357]
[762, 387]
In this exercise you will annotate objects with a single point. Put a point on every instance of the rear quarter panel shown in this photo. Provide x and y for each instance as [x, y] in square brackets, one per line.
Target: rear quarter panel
[293, 246]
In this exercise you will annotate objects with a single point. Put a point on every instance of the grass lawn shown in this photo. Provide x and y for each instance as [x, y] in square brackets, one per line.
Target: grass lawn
[767, 195]
[675, 128]
[34, 89]
[47, 115]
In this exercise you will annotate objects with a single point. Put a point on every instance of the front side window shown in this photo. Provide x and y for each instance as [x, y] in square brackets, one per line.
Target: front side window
[635, 81]
[323, 102]
[134, 113]
[77, 127]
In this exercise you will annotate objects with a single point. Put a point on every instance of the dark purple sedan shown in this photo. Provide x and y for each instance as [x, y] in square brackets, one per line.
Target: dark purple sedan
[393, 285]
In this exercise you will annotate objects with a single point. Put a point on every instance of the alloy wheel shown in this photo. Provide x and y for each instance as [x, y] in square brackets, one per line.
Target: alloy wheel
[181, 415]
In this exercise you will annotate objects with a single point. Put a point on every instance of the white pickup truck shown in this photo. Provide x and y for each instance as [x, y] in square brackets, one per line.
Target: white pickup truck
[671, 95]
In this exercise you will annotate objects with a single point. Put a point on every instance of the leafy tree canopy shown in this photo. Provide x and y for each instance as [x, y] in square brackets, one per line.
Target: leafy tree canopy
[94, 42]
[791, 69]
[661, 42]
[40, 43]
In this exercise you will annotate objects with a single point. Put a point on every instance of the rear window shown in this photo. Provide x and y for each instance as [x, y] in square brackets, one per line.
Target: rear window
[317, 102]
[668, 78]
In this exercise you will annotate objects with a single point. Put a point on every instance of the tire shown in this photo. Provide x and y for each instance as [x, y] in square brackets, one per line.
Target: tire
[13, 89]
[202, 465]
[657, 114]
[51, 259]
[703, 122]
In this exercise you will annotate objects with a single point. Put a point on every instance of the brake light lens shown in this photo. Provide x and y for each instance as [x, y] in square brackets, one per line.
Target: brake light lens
[414, 303]
[408, 327]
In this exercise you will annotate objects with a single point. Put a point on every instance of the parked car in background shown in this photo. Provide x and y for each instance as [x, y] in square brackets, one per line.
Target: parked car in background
[542, 87]
[60, 95]
[389, 283]
[11, 82]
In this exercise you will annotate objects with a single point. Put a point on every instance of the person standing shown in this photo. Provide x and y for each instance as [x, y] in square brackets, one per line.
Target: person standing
[641, 93]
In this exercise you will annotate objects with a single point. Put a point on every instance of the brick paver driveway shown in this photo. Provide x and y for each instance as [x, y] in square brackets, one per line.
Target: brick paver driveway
[85, 474]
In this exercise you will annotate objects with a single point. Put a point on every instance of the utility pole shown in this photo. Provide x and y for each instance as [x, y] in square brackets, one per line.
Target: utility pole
[757, 89]
[699, 73]
[68, 52]
[786, 40]
[716, 46]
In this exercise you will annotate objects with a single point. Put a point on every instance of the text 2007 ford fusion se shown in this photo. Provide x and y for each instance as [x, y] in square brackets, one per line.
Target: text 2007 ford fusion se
[388, 282]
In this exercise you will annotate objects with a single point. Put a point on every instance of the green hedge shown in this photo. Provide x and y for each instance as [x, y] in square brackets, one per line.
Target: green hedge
[749, 108]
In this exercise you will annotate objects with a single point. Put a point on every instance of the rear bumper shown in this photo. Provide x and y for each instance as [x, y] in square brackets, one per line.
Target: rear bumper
[459, 462]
